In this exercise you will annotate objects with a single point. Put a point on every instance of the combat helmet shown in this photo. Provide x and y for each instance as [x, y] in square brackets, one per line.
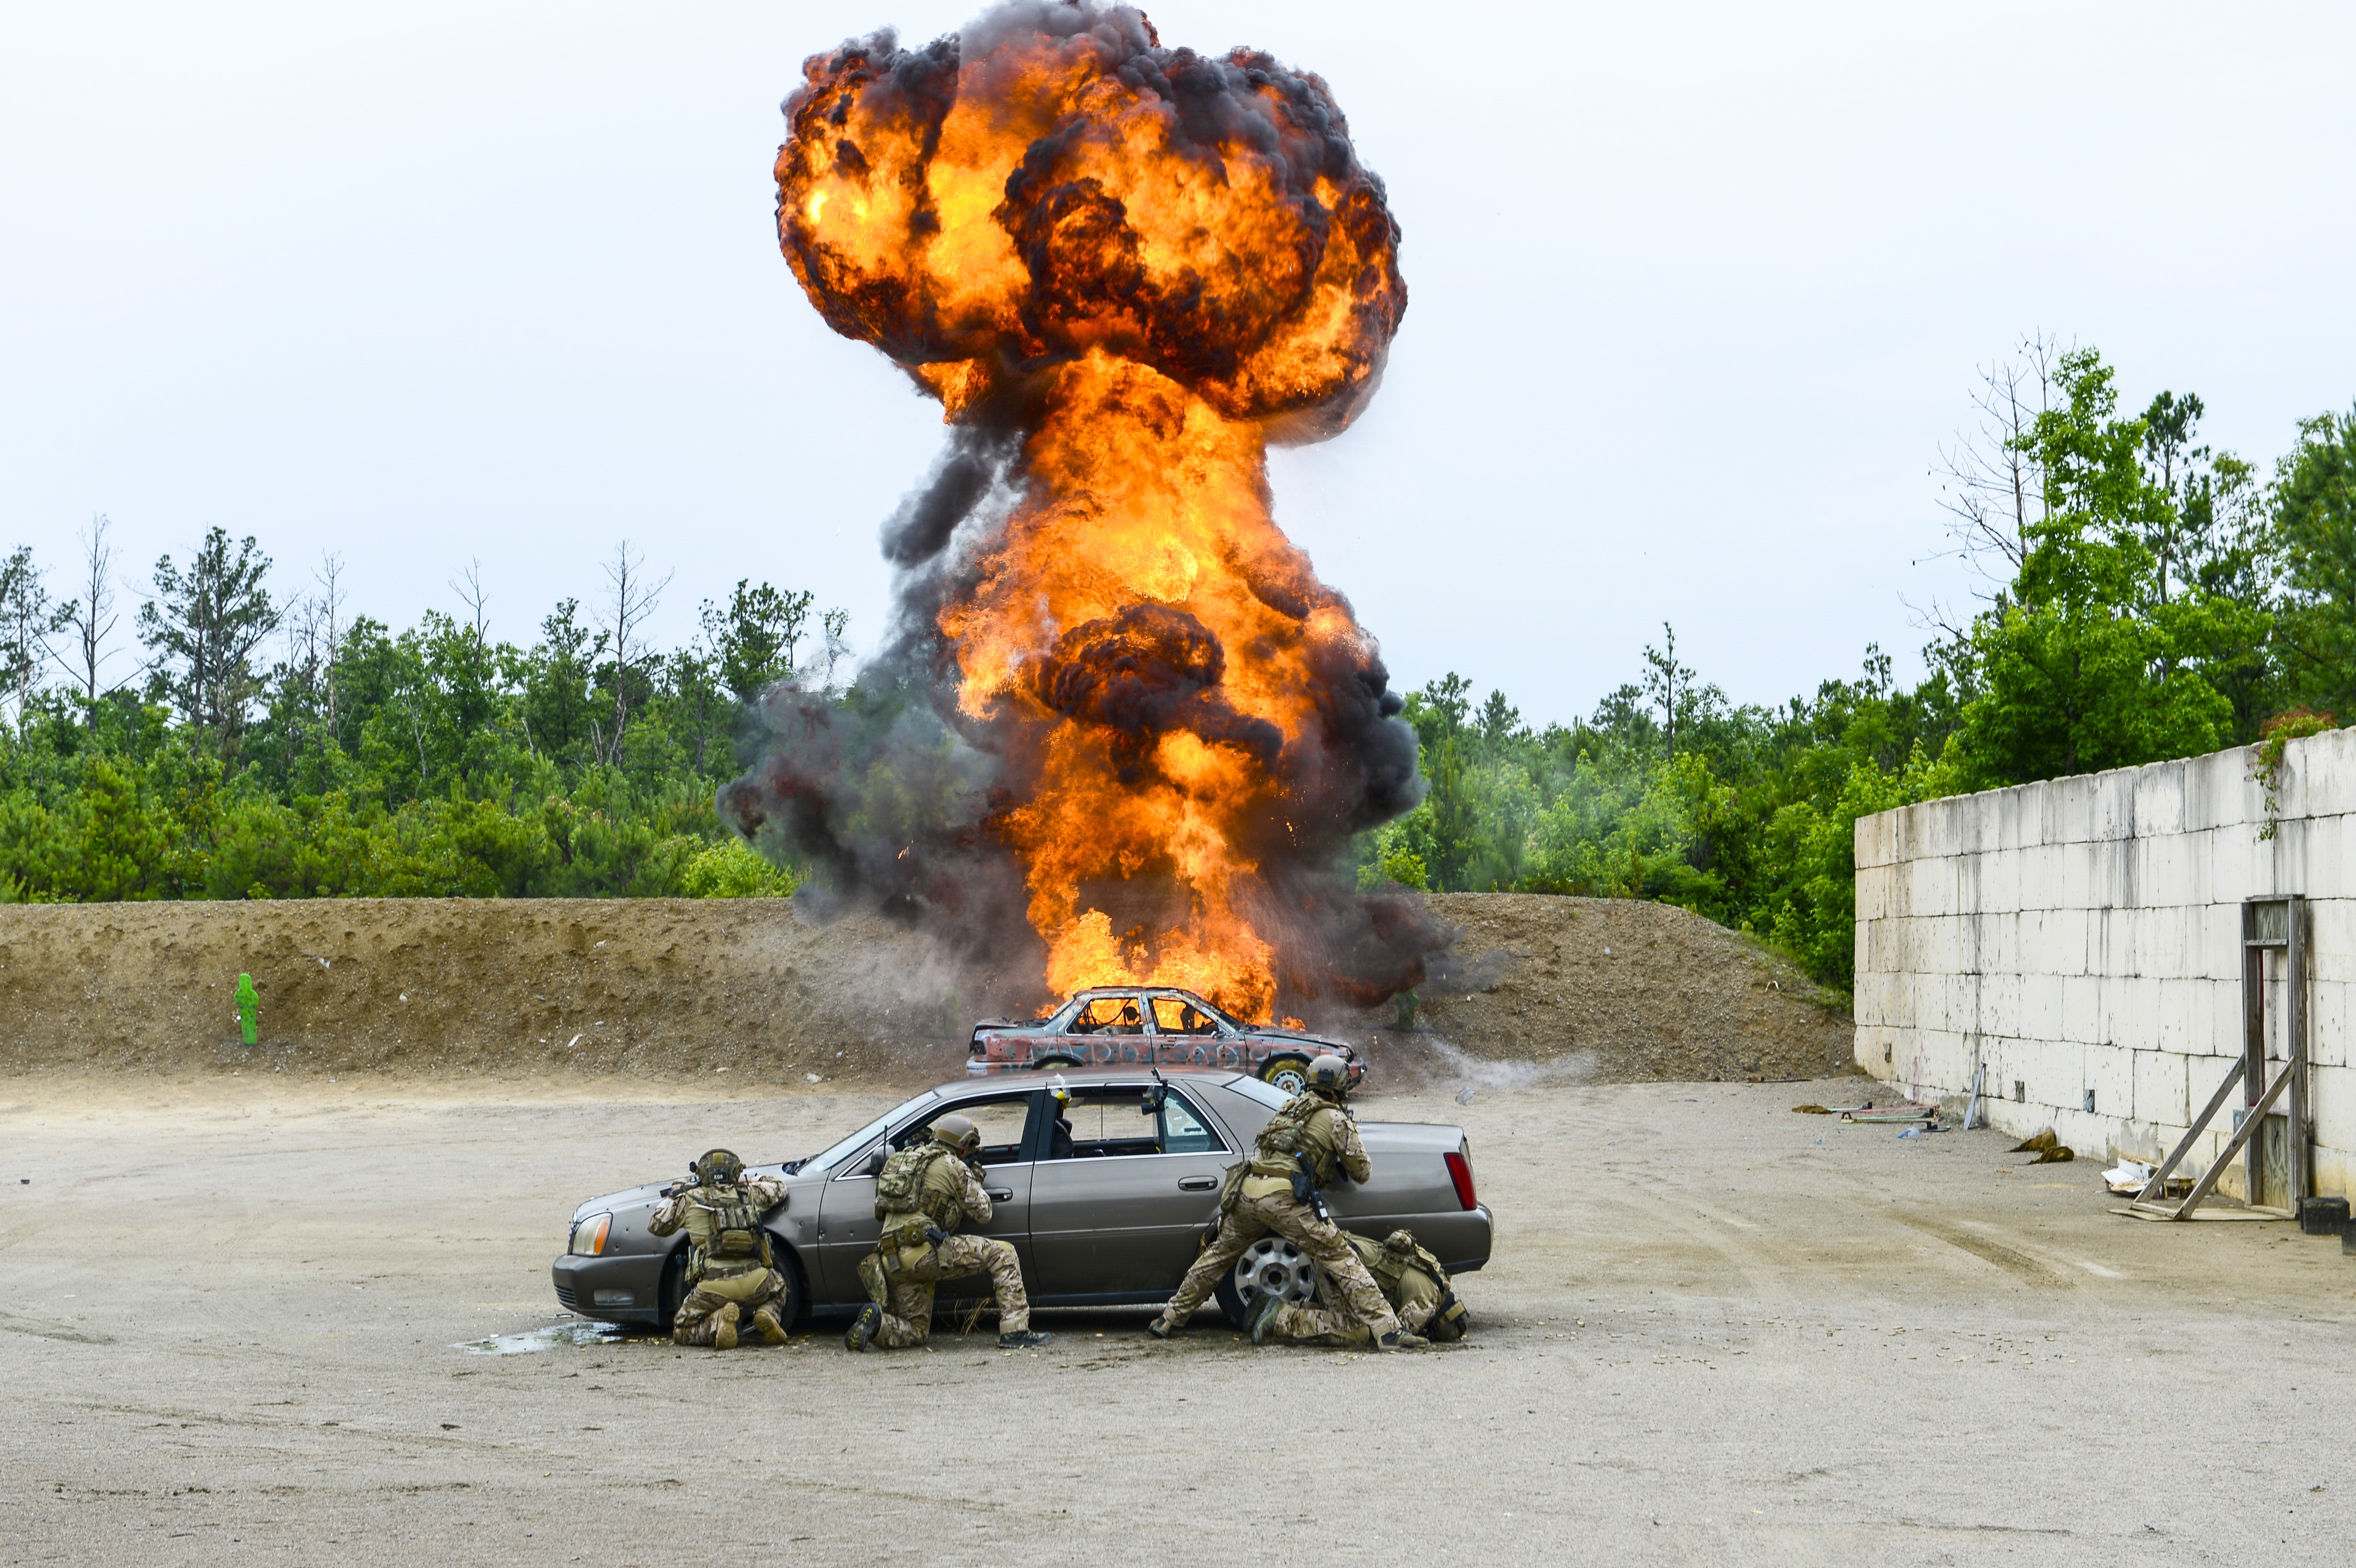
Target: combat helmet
[1329, 1075]
[959, 1133]
[719, 1167]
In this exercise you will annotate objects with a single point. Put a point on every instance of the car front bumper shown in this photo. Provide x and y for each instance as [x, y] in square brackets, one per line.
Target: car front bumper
[625, 1288]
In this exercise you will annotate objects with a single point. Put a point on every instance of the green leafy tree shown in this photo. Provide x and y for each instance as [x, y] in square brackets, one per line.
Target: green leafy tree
[2314, 517]
[203, 627]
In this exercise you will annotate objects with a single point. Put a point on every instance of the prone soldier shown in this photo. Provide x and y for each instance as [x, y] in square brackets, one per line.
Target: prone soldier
[922, 1192]
[1412, 1279]
[1309, 1140]
[731, 1274]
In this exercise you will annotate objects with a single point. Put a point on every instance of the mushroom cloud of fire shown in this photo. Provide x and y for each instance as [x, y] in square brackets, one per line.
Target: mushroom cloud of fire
[1116, 711]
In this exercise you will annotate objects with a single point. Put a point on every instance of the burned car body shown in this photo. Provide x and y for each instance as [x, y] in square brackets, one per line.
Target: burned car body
[1104, 1204]
[1150, 1025]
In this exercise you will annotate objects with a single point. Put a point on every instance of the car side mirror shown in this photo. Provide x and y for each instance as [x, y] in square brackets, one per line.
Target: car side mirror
[875, 1163]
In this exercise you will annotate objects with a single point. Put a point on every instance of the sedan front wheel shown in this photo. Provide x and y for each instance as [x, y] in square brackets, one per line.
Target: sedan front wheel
[1287, 1073]
[1271, 1263]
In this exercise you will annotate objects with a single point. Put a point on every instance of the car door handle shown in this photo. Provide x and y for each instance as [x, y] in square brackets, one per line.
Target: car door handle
[1197, 1183]
[998, 1194]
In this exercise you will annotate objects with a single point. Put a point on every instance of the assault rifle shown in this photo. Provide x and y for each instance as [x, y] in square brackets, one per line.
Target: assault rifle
[1304, 1185]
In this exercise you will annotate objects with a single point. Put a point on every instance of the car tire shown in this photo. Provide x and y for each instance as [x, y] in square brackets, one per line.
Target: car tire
[1236, 1292]
[1289, 1074]
[673, 1290]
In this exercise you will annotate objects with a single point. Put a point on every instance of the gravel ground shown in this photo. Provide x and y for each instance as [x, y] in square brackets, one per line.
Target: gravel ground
[1715, 1332]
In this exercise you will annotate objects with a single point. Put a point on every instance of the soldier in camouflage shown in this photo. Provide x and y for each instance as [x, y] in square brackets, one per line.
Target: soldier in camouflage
[1304, 1146]
[731, 1276]
[1410, 1278]
[930, 1188]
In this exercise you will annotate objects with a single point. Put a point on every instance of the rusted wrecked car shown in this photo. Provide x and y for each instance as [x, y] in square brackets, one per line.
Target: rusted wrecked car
[1105, 1199]
[1153, 1026]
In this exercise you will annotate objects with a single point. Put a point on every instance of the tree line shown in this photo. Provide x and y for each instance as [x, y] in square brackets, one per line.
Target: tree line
[2143, 596]
[275, 745]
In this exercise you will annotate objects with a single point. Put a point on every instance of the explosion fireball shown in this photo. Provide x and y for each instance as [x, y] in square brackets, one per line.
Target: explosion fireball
[1124, 270]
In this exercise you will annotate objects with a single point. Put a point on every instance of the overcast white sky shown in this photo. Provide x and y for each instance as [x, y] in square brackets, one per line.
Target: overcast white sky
[1696, 293]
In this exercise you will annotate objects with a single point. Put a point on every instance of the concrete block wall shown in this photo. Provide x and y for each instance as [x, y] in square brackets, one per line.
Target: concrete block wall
[2085, 934]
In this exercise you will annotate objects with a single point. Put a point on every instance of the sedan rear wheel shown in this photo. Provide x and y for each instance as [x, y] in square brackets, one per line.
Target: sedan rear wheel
[1271, 1263]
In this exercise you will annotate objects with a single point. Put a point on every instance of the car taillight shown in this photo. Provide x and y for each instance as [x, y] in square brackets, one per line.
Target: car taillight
[1460, 1171]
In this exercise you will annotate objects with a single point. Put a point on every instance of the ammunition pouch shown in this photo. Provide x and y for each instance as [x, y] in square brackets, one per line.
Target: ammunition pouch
[1231, 1191]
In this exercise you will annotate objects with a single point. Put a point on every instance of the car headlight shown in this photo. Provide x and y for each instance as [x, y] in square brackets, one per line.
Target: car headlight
[589, 1235]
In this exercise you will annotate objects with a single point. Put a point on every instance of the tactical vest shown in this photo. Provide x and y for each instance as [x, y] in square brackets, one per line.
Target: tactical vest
[904, 1187]
[725, 1226]
[1294, 1129]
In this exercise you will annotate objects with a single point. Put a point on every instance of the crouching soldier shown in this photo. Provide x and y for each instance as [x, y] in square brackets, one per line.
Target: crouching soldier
[1411, 1280]
[923, 1191]
[731, 1277]
[1303, 1146]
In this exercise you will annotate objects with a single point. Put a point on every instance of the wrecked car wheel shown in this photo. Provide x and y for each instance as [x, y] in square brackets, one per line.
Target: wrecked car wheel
[1271, 1263]
[1289, 1074]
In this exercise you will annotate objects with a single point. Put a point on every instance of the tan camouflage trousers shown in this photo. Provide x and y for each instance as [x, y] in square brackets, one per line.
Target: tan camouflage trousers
[1414, 1300]
[1254, 1217]
[750, 1291]
[908, 1312]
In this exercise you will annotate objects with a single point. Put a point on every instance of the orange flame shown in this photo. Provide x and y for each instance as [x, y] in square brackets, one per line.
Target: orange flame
[1154, 264]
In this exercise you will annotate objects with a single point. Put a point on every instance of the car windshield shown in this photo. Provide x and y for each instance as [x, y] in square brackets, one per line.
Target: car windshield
[859, 1139]
[1267, 1095]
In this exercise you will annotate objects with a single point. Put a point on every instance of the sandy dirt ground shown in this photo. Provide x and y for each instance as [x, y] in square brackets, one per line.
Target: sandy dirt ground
[237, 1318]
[432, 988]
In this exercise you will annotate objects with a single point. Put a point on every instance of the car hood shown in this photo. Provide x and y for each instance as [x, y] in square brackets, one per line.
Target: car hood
[648, 1194]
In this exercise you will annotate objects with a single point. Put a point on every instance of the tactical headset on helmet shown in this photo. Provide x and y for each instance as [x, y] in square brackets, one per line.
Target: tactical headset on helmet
[1330, 1074]
[720, 1169]
[957, 1133]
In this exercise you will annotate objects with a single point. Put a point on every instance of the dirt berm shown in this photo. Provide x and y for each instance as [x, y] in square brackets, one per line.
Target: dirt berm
[1602, 990]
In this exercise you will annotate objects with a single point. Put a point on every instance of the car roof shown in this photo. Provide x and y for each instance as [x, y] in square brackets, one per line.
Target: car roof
[1083, 1077]
[1135, 991]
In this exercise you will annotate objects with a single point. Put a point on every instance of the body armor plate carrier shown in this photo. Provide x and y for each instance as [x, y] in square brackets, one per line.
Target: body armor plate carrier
[737, 1242]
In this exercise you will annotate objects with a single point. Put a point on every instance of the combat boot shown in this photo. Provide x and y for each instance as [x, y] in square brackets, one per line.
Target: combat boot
[863, 1328]
[1400, 1339]
[1163, 1327]
[723, 1327]
[766, 1320]
[1264, 1309]
[1023, 1338]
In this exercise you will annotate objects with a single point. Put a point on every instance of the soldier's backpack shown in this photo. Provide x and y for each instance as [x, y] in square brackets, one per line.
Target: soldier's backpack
[900, 1186]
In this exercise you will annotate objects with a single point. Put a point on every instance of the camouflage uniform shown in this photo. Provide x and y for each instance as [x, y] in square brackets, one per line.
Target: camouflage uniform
[1411, 1279]
[1264, 1202]
[900, 1271]
[747, 1284]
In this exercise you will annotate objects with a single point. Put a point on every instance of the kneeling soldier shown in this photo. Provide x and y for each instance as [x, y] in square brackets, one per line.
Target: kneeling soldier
[730, 1275]
[1304, 1145]
[922, 1192]
[1411, 1280]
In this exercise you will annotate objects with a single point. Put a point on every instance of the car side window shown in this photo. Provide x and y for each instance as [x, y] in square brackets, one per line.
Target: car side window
[1107, 1123]
[1184, 1130]
[1174, 1014]
[1109, 1015]
[1002, 1121]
